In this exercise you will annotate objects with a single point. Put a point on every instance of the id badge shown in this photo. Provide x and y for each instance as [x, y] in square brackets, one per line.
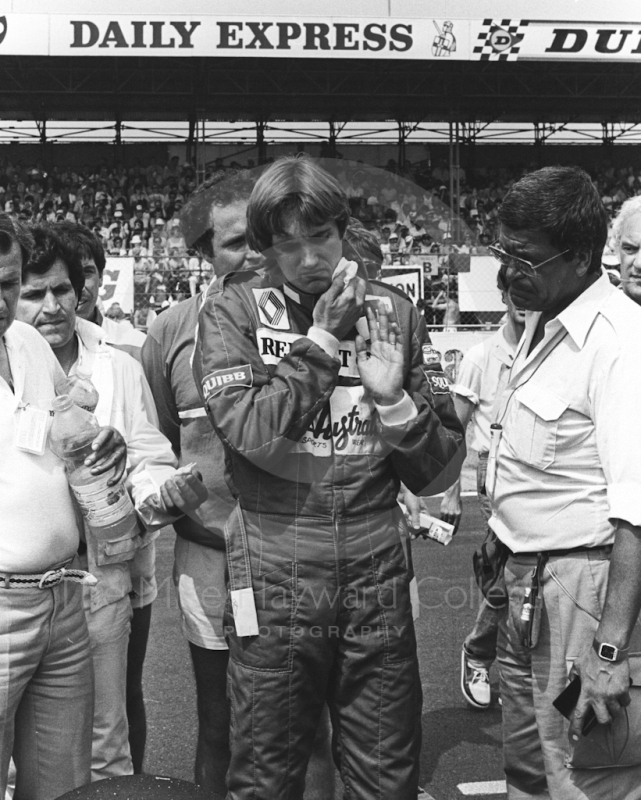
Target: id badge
[31, 431]
[414, 599]
[244, 608]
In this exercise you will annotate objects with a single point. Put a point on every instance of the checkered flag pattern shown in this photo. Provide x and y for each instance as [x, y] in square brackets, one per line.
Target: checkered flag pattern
[499, 41]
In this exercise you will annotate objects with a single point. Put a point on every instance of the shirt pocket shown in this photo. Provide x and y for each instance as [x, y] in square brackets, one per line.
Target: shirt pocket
[117, 551]
[536, 423]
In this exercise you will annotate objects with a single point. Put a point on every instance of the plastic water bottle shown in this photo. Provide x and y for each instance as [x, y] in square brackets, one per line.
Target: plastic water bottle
[81, 390]
[107, 510]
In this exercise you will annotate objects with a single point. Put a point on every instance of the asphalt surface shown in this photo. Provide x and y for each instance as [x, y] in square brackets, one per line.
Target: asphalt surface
[460, 745]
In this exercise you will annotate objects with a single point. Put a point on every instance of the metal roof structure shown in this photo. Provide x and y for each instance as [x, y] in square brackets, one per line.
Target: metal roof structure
[408, 65]
[46, 87]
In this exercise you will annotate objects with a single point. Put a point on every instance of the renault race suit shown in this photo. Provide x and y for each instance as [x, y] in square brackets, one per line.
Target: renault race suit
[318, 538]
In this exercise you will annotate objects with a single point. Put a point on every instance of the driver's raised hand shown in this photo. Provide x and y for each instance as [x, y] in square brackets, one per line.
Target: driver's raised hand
[339, 308]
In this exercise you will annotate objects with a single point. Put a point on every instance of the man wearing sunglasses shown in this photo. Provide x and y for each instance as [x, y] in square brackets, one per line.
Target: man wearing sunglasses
[564, 480]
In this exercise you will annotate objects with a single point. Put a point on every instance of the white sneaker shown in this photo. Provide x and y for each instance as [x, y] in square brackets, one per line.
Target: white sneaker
[475, 683]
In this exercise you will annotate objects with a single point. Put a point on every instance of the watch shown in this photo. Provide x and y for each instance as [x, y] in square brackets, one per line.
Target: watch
[608, 652]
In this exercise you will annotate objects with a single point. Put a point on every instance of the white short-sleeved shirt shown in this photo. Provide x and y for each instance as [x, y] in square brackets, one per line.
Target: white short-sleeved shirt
[38, 524]
[568, 461]
[482, 376]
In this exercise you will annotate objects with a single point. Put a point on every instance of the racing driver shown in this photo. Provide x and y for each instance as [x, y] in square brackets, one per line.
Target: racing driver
[326, 395]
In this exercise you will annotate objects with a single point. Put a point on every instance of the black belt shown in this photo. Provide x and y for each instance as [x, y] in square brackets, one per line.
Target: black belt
[571, 551]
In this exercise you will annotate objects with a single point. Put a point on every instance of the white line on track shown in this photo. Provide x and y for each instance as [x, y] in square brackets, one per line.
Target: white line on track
[463, 494]
[482, 787]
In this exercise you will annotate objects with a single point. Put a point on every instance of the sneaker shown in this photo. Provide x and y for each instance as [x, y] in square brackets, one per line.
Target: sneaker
[475, 683]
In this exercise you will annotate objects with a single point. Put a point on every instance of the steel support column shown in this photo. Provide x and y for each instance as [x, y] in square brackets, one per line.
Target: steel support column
[261, 144]
[43, 141]
[331, 141]
[402, 136]
[457, 184]
[201, 168]
[451, 173]
[192, 140]
[608, 133]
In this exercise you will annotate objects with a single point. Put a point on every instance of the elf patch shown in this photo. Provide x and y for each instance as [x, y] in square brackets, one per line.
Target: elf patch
[431, 355]
[224, 378]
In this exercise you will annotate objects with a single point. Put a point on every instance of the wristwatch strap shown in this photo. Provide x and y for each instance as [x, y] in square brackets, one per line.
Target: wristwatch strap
[608, 652]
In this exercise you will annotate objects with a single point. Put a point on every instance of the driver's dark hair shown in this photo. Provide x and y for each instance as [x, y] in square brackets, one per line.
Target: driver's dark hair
[563, 203]
[293, 186]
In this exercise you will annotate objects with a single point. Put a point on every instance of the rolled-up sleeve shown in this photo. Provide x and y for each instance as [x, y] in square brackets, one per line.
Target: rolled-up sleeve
[469, 377]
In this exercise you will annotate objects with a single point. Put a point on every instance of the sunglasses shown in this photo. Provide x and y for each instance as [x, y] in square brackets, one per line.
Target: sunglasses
[508, 261]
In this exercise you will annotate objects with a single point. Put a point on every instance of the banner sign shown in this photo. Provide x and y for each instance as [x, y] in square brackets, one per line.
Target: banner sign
[432, 262]
[278, 36]
[118, 284]
[409, 281]
[429, 261]
[477, 289]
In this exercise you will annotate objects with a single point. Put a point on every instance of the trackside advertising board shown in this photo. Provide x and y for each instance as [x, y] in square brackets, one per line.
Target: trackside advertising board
[276, 36]
[409, 281]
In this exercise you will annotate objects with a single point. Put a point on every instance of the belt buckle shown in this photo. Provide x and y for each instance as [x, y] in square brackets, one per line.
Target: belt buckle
[54, 575]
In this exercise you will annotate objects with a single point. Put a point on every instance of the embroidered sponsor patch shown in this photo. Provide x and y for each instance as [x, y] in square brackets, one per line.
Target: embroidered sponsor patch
[438, 382]
[272, 310]
[222, 378]
[345, 426]
[273, 346]
[431, 355]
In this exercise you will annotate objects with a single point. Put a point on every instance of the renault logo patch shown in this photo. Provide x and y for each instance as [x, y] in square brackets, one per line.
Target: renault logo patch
[272, 310]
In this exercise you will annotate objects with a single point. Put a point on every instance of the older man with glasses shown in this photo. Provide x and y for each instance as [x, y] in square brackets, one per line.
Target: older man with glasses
[564, 480]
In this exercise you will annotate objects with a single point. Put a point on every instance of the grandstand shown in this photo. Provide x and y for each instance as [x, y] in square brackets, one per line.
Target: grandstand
[106, 121]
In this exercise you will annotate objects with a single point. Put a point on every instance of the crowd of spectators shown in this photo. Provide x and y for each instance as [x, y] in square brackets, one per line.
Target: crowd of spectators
[136, 211]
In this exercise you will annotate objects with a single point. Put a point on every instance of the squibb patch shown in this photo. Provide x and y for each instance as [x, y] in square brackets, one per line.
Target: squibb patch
[222, 378]
[438, 382]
